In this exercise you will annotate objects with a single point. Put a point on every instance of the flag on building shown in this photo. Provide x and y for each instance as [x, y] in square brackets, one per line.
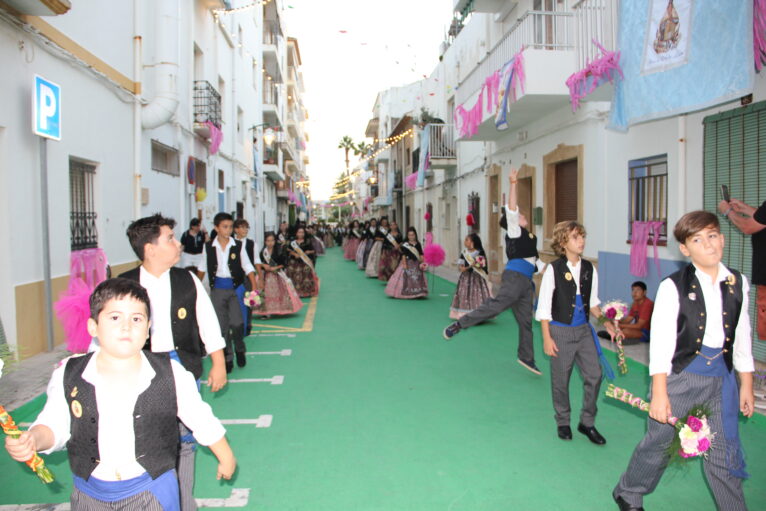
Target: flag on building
[679, 56]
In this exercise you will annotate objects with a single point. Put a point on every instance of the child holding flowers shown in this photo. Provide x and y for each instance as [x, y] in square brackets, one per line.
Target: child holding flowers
[568, 295]
[473, 285]
[116, 409]
[700, 335]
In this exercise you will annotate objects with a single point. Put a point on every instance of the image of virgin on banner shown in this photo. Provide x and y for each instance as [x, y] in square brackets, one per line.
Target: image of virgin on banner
[668, 35]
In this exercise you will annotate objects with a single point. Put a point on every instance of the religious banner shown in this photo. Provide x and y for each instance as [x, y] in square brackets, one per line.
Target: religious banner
[679, 56]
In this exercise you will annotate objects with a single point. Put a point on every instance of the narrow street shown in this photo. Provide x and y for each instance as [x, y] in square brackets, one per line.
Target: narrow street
[370, 409]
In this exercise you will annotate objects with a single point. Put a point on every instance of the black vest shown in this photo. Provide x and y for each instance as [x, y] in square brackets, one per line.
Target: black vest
[234, 261]
[183, 318]
[564, 295]
[690, 326]
[519, 248]
[155, 420]
[250, 250]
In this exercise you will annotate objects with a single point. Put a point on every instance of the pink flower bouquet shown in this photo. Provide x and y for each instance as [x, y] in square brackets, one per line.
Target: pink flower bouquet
[614, 311]
[252, 299]
[694, 437]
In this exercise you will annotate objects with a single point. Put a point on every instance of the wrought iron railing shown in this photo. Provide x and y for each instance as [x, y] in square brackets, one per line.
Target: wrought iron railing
[441, 141]
[83, 230]
[542, 30]
[207, 103]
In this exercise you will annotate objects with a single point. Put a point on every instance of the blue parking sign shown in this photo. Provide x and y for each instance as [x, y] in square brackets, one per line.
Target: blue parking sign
[46, 109]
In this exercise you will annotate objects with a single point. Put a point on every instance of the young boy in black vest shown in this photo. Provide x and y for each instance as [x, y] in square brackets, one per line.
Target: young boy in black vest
[184, 323]
[700, 335]
[227, 264]
[517, 292]
[118, 463]
[568, 296]
[241, 228]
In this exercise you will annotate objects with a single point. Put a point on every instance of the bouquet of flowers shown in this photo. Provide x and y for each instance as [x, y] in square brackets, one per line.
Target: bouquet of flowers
[252, 299]
[694, 437]
[481, 261]
[614, 311]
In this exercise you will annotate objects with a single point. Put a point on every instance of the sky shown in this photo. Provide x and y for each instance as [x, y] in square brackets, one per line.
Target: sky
[350, 50]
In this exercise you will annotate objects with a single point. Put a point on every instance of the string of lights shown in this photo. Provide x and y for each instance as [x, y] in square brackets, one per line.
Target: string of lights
[410, 132]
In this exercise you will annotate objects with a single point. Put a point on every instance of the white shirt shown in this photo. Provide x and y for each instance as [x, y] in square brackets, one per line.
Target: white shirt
[665, 317]
[158, 289]
[222, 255]
[548, 284]
[116, 437]
[514, 231]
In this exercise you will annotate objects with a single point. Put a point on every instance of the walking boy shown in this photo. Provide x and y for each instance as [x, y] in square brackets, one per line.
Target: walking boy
[700, 334]
[568, 295]
[184, 321]
[241, 228]
[118, 463]
[228, 264]
[517, 292]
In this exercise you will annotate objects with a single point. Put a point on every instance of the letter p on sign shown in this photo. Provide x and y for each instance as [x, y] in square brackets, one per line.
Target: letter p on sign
[46, 109]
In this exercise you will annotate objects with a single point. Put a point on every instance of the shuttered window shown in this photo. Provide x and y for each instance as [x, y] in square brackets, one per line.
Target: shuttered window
[566, 191]
[733, 156]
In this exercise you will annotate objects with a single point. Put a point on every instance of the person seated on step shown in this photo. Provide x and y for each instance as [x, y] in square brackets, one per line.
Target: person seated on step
[635, 326]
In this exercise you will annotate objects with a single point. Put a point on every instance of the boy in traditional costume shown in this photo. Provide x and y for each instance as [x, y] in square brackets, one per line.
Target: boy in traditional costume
[115, 411]
[700, 334]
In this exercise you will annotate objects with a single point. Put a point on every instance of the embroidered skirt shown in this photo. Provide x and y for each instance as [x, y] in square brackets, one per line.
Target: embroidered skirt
[279, 296]
[350, 247]
[360, 251]
[328, 241]
[408, 281]
[371, 269]
[471, 292]
[318, 245]
[389, 261]
[303, 277]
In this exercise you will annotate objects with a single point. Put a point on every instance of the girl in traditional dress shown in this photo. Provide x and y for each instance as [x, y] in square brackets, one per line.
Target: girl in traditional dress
[389, 254]
[279, 295]
[369, 241]
[326, 236]
[300, 267]
[315, 241]
[473, 285]
[359, 257]
[373, 260]
[409, 281]
[352, 241]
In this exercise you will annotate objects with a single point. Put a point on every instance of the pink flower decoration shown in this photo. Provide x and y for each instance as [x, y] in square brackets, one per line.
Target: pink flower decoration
[703, 445]
[694, 423]
[610, 313]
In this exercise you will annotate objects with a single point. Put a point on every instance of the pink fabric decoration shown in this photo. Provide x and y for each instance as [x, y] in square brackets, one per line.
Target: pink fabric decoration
[429, 238]
[427, 216]
[519, 78]
[216, 137]
[411, 181]
[759, 33]
[492, 86]
[433, 254]
[639, 247]
[468, 121]
[595, 74]
[87, 269]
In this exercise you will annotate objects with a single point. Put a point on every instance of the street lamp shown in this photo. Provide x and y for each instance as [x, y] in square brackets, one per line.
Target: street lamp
[269, 136]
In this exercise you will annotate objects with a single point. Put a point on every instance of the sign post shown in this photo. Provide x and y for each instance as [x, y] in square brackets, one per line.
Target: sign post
[46, 123]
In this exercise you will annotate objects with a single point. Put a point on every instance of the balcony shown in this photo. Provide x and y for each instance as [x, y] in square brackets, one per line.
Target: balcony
[272, 107]
[549, 59]
[207, 108]
[595, 19]
[273, 49]
[489, 6]
[442, 146]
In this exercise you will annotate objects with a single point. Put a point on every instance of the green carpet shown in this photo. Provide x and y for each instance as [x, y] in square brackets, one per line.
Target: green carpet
[378, 412]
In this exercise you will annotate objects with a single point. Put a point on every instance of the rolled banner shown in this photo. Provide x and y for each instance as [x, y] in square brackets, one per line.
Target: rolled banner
[36, 463]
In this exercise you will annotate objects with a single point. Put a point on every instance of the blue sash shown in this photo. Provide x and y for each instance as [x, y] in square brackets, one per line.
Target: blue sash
[165, 488]
[223, 283]
[735, 458]
[521, 266]
[578, 319]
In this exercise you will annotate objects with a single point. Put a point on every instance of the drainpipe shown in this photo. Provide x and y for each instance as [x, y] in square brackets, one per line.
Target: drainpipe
[167, 28]
[137, 112]
[682, 194]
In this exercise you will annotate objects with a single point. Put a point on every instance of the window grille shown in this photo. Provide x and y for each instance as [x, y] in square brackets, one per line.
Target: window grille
[648, 192]
[82, 216]
[165, 159]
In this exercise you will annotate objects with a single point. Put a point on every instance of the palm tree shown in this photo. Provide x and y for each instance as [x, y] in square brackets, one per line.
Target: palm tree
[347, 145]
[362, 148]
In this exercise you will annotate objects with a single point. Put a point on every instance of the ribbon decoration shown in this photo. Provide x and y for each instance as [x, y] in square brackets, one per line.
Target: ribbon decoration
[593, 75]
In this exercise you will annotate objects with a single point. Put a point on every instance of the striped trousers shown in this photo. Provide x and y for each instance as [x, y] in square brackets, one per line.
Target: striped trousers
[650, 459]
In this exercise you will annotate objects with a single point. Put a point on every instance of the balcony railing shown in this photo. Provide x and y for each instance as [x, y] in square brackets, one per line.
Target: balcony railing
[541, 30]
[272, 33]
[207, 103]
[441, 141]
[82, 226]
[594, 19]
[271, 95]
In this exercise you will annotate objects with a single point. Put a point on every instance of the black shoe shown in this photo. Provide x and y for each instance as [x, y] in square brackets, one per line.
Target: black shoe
[624, 506]
[565, 432]
[451, 330]
[592, 434]
[241, 359]
[604, 335]
[229, 366]
[530, 365]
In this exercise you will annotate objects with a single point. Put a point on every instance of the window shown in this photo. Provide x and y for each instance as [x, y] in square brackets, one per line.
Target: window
[648, 192]
[165, 159]
[474, 208]
[566, 190]
[200, 174]
[256, 75]
[733, 156]
[240, 121]
[82, 207]
[429, 217]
